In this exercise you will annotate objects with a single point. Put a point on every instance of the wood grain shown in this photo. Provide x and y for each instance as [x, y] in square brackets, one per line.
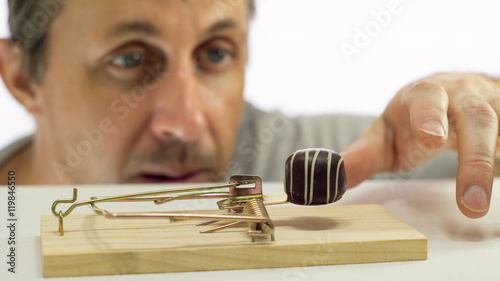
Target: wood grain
[305, 236]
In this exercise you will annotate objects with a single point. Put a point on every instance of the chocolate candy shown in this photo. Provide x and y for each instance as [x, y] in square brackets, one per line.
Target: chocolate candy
[314, 176]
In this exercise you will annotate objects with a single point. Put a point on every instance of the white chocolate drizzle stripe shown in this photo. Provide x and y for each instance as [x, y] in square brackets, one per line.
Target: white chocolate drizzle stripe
[291, 176]
[311, 187]
[306, 174]
[328, 172]
[338, 172]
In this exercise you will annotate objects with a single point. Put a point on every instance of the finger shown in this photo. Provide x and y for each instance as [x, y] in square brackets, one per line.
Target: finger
[367, 155]
[427, 104]
[495, 104]
[476, 126]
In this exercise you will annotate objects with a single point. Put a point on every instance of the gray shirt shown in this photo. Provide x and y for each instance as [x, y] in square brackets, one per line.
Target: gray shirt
[266, 139]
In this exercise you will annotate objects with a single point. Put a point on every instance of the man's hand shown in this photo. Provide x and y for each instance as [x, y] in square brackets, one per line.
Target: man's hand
[440, 112]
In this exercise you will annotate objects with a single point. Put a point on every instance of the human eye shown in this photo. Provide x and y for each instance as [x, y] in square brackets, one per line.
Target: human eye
[128, 60]
[131, 61]
[215, 56]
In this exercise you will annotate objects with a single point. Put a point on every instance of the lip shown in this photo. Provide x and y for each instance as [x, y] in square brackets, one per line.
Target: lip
[171, 177]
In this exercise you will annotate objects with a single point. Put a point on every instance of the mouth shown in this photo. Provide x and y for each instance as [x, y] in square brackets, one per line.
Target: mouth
[153, 177]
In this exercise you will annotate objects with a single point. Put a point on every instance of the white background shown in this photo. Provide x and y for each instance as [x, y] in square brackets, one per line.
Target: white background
[297, 65]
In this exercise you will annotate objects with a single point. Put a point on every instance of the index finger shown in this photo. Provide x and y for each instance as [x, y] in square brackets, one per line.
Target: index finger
[476, 127]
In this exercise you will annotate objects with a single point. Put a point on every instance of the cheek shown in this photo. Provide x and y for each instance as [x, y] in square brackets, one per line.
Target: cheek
[127, 112]
[104, 121]
[131, 119]
[223, 107]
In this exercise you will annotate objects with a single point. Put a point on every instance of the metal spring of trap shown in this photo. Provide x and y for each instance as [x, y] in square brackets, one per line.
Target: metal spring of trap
[243, 202]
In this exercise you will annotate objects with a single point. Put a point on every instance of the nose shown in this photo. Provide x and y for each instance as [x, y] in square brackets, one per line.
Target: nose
[178, 112]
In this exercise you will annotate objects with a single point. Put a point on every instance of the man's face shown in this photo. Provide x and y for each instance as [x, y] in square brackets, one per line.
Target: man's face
[142, 91]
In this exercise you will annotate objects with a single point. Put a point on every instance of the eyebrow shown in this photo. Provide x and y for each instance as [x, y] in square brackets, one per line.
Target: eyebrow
[221, 25]
[148, 29]
[139, 27]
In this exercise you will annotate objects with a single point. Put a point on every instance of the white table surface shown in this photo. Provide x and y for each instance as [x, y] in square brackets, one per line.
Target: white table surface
[459, 248]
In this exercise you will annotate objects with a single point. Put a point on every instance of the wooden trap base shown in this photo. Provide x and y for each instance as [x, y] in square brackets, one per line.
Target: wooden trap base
[305, 236]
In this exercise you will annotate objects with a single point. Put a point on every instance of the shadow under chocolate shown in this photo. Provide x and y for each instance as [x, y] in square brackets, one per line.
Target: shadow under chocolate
[309, 223]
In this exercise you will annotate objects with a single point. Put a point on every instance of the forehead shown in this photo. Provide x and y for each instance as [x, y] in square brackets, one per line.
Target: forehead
[101, 18]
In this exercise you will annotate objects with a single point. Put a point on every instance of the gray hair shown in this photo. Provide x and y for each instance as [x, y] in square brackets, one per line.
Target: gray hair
[29, 22]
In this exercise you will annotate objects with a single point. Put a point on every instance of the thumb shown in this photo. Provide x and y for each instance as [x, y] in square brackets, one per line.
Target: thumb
[366, 156]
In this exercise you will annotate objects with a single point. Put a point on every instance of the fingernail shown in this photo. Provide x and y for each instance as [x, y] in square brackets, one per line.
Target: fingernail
[432, 127]
[475, 199]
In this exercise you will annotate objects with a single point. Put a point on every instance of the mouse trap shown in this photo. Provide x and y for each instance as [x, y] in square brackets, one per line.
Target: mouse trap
[243, 232]
[244, 204]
